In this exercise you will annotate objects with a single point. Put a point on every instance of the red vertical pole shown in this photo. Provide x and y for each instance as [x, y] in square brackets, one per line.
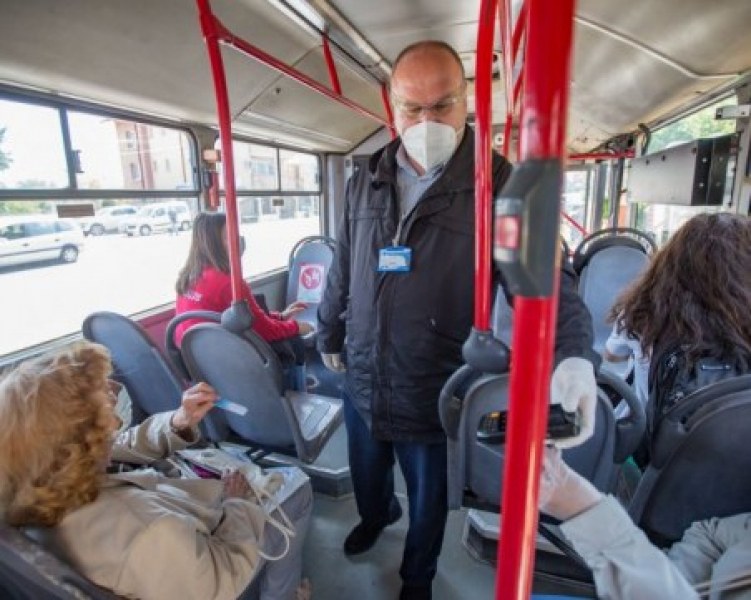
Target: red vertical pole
[333, 76]
[387, 106]
[483, 164]
[542, 133]
[211, 32]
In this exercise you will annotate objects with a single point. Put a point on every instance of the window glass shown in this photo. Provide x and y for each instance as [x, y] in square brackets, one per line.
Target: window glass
[662, 220]
[574, 206]
[299, 171]
[701, 124]
[114, 271]
[272, 226]
[32, 155]
[117, 154]
[40, 228]
[256, 167]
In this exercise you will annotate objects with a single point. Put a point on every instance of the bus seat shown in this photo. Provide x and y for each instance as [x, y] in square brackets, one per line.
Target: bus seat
[173, 352]
[29, 572]
[244, 369]
[630, 429]
[475, 467]
[309, 264]
[700, 462]
[153, 385]
[607, 262]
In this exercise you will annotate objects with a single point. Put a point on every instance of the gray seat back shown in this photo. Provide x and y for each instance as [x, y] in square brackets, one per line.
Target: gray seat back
[244, 369]
[29, 572]
[700, 462]
[152, 383]
[309, 264]
[475, 467]
[607, 274]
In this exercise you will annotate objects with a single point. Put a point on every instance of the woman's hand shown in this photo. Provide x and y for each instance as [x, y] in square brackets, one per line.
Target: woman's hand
[304, 328]
[293, 309]
[196, 402]
[235, 485]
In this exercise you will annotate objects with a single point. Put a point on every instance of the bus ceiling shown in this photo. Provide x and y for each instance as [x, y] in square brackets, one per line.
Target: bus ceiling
[632, 65]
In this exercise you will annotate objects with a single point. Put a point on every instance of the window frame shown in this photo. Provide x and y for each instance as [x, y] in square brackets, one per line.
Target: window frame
[72, 191]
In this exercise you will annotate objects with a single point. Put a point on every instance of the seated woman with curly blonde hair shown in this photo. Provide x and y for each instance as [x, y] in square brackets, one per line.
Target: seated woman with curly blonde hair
[139, 534]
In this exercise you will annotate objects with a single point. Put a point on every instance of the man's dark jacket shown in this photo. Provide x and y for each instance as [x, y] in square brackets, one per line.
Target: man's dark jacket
[405, 331]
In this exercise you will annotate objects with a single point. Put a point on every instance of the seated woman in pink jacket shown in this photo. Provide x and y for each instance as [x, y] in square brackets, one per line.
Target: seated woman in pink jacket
[204, 284]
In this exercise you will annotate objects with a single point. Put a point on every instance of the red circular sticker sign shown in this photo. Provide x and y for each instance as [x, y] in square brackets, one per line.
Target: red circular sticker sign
[310, 288]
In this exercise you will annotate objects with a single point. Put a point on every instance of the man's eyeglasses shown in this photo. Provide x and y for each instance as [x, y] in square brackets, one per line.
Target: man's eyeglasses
[441, 108]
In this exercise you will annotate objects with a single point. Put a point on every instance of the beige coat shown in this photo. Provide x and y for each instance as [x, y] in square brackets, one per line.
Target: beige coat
[151, 537]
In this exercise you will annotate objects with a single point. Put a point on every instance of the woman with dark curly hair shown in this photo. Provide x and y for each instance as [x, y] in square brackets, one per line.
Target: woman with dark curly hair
[694, 298]
[139, 533]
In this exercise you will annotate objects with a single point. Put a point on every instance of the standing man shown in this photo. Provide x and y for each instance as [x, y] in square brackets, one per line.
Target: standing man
[401, 290]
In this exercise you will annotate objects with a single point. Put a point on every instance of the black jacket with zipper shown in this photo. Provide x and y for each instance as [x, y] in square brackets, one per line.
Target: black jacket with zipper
[405, 331]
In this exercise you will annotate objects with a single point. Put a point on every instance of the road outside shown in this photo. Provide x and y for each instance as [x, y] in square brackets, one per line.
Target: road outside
[121, 274]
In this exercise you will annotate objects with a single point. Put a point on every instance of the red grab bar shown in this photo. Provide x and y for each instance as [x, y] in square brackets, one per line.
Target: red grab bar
[544, 104]
[214, 33]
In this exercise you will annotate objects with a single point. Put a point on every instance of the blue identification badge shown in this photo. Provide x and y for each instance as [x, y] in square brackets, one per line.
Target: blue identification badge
[396, 259]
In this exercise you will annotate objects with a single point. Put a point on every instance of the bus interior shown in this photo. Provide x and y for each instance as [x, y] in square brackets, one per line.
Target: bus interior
[110, 103]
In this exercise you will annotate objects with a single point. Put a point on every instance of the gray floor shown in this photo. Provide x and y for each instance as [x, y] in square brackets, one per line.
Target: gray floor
[374, 575]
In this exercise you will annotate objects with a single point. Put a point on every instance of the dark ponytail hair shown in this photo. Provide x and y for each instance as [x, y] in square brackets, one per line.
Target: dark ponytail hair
[207, 249]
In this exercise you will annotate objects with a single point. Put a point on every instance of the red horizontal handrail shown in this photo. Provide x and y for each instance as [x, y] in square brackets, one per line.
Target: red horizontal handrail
[228, 38]
[602, 155]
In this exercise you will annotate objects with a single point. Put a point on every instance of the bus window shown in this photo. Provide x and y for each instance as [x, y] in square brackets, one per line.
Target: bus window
[32, 155]
[663, 220]
[123, 154]
[574, 204]
[701, 124]
[289, 210]
[48, 295]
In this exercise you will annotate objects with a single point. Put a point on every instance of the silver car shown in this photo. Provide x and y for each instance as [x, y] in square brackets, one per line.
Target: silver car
[111, 219]
[33, 238]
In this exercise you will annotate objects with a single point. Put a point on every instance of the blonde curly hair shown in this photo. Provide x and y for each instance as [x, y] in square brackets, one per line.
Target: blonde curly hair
[56, 434]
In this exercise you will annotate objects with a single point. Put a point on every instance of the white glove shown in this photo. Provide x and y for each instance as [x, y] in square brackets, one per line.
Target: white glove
[573, 386]
[563, 492]
[333, 362]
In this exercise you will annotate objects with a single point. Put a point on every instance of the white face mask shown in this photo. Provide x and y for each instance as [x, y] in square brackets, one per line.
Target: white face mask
[429, 143]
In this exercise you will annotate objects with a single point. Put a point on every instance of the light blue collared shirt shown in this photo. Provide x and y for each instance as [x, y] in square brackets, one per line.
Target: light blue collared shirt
[410, 186]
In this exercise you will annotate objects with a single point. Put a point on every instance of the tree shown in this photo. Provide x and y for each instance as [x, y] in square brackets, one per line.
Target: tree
[5, 158]
[701, 124]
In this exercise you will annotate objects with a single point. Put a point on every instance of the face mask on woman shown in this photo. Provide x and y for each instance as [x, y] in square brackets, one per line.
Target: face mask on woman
[429, 143]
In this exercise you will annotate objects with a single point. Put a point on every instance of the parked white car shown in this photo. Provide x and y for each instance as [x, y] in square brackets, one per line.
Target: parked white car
[111, 219]
[33, 238]
[158, 217]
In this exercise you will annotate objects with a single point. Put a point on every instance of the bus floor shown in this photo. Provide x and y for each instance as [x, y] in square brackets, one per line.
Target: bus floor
[374, 575]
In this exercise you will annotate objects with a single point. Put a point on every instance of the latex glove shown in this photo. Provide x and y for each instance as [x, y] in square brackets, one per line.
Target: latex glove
[293, 309]
[196, 402]
[573, 386]
[563, 492]
[333, 362]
